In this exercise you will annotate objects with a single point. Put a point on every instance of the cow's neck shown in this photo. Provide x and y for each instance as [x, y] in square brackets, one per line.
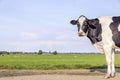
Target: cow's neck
[93, 36]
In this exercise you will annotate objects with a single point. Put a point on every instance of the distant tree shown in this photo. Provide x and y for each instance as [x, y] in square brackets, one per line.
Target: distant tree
[7, 53]
[49, 52]
[117, 52]
[1, 52]
[40, 52]
[55, 53]
[4, 52]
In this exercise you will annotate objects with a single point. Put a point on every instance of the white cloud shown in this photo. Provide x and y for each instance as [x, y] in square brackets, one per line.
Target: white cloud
[30, 41]
[64, 35]
[29, 35]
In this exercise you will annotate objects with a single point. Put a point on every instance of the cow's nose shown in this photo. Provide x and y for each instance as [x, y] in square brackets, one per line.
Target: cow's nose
[80, 33]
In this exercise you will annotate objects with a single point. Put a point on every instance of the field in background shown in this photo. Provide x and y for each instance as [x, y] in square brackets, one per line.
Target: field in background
[59, 61]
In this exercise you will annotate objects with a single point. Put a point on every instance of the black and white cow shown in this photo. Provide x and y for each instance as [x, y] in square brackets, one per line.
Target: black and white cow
[104, 33]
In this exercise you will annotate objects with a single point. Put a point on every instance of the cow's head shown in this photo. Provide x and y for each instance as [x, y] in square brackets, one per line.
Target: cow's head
[83, 25]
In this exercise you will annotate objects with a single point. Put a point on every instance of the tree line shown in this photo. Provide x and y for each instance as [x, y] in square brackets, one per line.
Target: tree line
[40, 52]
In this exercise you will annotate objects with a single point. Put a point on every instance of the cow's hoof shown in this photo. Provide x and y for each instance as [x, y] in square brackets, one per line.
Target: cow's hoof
[107, 76]
[113, 75]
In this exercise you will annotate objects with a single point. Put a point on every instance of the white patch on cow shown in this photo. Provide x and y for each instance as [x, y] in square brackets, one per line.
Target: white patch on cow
[119, 27]
[81, 21]
[99, 47]
[106, 31]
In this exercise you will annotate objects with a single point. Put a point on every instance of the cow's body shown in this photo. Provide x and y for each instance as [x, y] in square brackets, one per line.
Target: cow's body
[110, 33]
[104, 33]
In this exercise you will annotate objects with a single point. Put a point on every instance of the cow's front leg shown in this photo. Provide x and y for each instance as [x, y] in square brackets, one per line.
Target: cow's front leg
[109, 62]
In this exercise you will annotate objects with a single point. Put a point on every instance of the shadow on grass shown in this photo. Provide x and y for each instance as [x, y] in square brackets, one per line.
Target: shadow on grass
[102, 69]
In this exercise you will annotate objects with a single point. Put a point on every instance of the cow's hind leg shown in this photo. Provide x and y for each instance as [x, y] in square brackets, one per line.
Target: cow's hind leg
[113, 65]
[108, 56]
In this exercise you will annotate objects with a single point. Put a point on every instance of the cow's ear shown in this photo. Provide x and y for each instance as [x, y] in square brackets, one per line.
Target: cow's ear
[92, 23]
[73, 22]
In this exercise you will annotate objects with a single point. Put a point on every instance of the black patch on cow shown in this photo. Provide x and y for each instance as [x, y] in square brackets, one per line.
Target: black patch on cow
[73, 22]
[94, 30]
[116, 33]
[85, 26]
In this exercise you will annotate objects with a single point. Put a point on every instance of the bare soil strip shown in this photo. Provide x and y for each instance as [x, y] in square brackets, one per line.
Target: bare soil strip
[81, 74]
[4, 73]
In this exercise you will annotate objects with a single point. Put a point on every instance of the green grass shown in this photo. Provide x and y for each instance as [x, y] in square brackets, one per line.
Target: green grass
[59, 61]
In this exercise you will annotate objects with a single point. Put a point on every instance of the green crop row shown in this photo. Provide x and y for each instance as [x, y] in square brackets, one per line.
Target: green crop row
[59, 61]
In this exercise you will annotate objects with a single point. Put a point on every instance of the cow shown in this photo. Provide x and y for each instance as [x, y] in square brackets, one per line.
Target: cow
[104, 34]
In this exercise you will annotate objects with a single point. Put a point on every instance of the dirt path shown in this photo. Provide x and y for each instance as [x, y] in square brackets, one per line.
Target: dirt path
[55, 75]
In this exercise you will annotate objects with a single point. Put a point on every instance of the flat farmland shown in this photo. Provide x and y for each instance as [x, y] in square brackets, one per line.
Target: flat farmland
[55, 62]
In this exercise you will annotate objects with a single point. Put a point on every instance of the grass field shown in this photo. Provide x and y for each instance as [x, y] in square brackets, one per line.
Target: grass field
[59, 61]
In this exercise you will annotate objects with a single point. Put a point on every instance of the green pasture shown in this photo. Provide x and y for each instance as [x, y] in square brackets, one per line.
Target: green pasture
[59, 61]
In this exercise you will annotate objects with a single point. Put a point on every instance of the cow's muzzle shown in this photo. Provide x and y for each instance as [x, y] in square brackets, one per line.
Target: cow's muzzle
[81, 34]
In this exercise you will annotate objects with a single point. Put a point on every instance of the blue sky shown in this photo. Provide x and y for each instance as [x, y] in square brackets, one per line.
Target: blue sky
[32, 25]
